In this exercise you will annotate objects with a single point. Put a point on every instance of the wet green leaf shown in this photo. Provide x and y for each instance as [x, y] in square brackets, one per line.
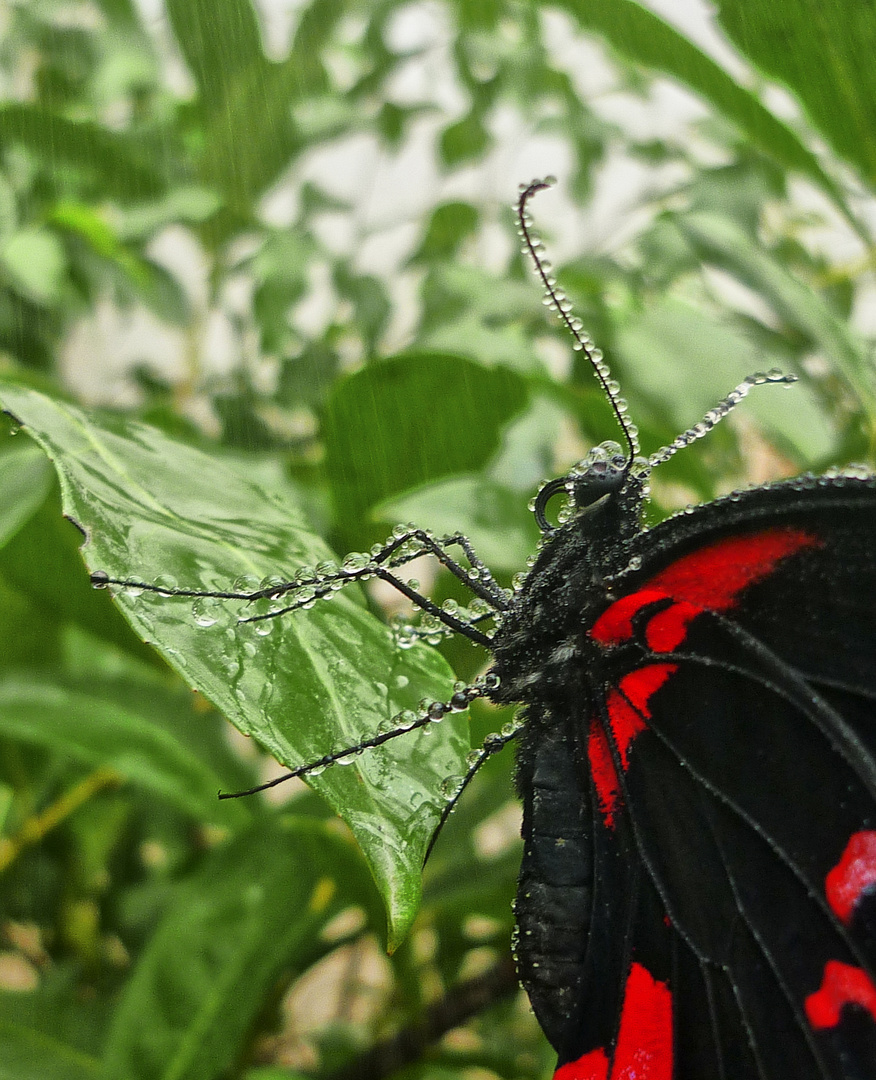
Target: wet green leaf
[318, 681]
[686, 360]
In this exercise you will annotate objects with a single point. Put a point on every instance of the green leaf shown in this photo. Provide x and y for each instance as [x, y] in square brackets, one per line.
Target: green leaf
[25, 482]
[646, 39]
[253, 913]
[118, 730]
[719, 240]
[686, 361]
[465, 140]
[29, 1053]
[417, 417]
[492, 516]
[220, 42]
[823, 53]
[449, 227]
[319, 680]
[42, 563]
[34, 260]
[188, 203]
[118, 160]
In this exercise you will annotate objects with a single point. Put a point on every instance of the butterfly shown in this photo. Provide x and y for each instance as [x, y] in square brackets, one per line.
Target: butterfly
[696, 758]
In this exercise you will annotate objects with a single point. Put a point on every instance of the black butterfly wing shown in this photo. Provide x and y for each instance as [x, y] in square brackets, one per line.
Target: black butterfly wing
[729, 731]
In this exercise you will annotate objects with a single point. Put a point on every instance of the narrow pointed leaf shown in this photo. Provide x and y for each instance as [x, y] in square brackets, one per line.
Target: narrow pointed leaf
[647, 39]
[253, 913]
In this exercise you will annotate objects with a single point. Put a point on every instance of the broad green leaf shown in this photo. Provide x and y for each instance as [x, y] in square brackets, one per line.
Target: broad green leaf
[253, 913]
[449, 227]
[823, 53]
[56, 141]
[686, 360]
[33, 259]
[416, 417]
[718, 240]
[156, 510]
[119, 732]
[492, 516]
[25, 482]
[646, 39]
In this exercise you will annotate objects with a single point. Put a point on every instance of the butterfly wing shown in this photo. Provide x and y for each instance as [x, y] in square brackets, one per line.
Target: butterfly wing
[729, 730]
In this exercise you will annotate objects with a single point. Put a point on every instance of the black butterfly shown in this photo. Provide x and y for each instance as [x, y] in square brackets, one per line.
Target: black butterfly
[696, 760]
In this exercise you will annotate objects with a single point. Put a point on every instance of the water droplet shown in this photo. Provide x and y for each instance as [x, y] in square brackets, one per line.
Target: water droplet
[204, 611]
[450, 786]
[166, 584]
[100, 579]
[355, 562]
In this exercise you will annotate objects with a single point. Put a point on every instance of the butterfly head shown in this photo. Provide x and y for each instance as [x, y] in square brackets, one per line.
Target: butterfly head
[604, 478]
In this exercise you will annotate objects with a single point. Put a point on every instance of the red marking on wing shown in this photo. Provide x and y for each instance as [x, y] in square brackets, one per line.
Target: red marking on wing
[639, 686]
[667, 629]
[602, 770]
[842, 985]
[710, 579]
[626, 723]
[852, 875]
[644, 1041]
[615, 624]
[628, 709]
[593, 1066]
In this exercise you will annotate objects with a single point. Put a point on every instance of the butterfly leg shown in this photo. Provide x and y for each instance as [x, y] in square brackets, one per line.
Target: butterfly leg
[431, 713]
[492, 744]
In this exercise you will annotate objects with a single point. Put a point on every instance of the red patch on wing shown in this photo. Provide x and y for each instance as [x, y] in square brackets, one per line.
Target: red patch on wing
[852, 875]
[644, 1041]
[842, 985]
[710, 579]
[626, 724]
[640, 685]
[628, 709]
[593, 1066]
[602, 770]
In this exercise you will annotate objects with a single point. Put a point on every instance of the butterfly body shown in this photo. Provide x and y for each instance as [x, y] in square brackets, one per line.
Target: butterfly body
[698, 774]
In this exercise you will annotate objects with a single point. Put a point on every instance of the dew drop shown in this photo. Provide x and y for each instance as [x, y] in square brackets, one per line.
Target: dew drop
[204, 611]
[450, 786]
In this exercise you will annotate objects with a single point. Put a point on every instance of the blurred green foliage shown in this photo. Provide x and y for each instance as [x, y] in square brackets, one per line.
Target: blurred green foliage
[162, 177]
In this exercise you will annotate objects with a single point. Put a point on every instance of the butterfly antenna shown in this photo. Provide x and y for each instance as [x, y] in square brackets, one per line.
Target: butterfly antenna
[556, 300]
[716, 415]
